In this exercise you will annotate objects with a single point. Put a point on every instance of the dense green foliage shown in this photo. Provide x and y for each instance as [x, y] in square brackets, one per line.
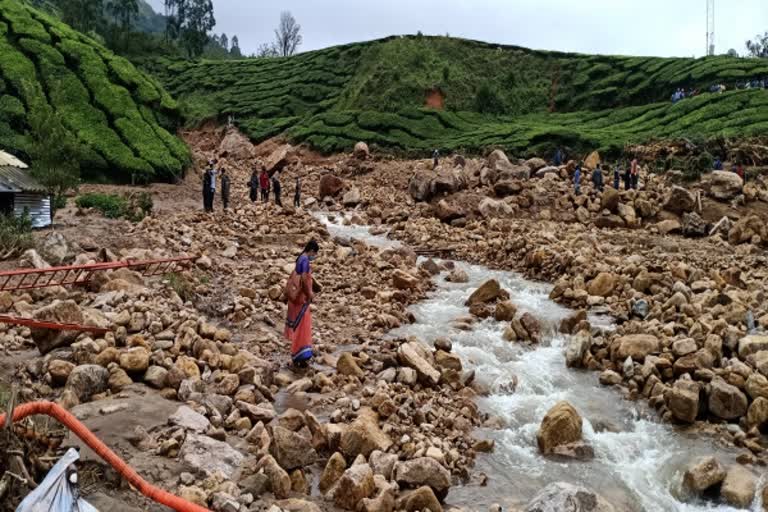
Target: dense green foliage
[132, 206]
[119, 117]
[15, 235]
[524, 100]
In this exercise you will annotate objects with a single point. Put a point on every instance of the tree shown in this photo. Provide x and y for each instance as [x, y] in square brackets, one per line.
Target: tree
[267, 50]
[287, 35]
[55, 154]
[758, 47]
[82, 15]
[195, 20]
[732, 53]
[234, 51]
[224, 41]
[124, 12]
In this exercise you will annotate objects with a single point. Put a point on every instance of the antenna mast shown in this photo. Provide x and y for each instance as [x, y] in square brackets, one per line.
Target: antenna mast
[710, 27]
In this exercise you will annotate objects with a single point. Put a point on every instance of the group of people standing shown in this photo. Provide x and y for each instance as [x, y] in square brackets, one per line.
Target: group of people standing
[209, 186]
[260, 185]
[631, 176]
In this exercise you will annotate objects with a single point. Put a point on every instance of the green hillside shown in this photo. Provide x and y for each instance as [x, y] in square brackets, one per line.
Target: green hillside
[122, 117]
[521, 99]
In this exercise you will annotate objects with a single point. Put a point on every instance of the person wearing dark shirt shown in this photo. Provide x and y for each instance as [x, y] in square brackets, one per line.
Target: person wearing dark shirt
[225, 184]
[277, 188]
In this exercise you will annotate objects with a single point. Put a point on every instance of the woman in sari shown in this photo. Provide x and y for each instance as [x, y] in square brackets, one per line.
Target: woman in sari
[298, 324]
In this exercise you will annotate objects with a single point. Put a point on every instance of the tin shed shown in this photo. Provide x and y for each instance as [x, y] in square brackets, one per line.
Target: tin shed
[19, 191]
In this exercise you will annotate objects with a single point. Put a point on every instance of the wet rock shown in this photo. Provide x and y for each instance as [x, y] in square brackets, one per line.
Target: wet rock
[424, 471]
[404, 281]
[363, 436]
[739, 487]
[680, 200]
[722, 185]
[59, 311]
[610, 378]
[354, 485]
[409, 355]
[637, 346]
[346, 365]
[87, 380]
[487, 292]
[505, 311]
[702, 474]
[332, 473]
[577, 348]
[156, 376]
[196, 456]
[457, 276]
[419, 500]
[564, 497]
[560, 426]
[726, 401]
[291, 450]
[757, 414]
[682, 400]
[532, 327]
[352, 197]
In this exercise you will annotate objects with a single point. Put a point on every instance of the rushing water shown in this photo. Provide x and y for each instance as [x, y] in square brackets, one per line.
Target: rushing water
[638, 460]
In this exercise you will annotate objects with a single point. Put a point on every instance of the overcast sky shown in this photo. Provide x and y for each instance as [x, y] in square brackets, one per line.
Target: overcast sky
[628, 27]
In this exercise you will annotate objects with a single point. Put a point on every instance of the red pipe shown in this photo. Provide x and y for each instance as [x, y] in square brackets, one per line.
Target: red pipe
[94, 443]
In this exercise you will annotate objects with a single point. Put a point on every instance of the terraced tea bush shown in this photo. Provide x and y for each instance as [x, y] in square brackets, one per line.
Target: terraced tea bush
[120, 116]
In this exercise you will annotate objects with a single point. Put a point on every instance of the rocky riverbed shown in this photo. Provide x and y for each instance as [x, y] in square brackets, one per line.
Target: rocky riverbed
[401, 405]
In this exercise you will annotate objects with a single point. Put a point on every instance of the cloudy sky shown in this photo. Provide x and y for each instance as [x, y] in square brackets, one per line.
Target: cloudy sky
[631, 27]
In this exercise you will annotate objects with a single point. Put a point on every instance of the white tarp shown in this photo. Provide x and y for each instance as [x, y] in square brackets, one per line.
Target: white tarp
[55, 493]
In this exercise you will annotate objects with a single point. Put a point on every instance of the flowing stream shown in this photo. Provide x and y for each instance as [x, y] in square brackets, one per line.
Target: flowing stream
[638, 462]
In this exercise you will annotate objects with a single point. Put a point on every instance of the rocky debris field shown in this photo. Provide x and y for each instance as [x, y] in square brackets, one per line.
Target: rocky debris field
[379, 424]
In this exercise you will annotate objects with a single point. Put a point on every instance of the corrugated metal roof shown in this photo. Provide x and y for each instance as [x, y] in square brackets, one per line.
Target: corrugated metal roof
[14, 179]
[7, 159]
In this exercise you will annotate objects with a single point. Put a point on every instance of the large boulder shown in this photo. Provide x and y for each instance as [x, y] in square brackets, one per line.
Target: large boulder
[352, 197]
[361, 151]
[668, 226]
[278, 479]
[610, 199]
[448, 181]
[203, 454]
[497, 159]
[55, 248]
[235, 145]
[278, 159]
[334, 468]
[592, 160]
[565, 497]
[354, 485]
[702, 474]
[680, 200]
[87, 380]
[507, 188]
[424, 471]
[757, 414]
[534, 164]
[290, 449]
[419, 500]
[603, 284]
[726, 401]
[489, 208]
[682, 400]
[363, 436]
[560, 426]
[739, 487]
[59, 311]
[420, 185]
[447, 212]
[746, 229]
[489, 291]
[330, 185]
[410, 355]
[636, 346]
[722, 185]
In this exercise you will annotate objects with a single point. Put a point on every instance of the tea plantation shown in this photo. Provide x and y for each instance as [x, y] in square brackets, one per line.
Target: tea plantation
[122, 117]
[524, 100]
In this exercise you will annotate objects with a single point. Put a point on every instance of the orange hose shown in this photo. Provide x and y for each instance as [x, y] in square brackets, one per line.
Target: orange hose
[94, 443]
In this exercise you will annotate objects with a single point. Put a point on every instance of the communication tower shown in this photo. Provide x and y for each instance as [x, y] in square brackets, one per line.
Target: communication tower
[710, 27]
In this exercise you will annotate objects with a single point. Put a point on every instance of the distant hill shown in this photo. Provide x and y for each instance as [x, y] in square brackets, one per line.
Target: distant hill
[124, 119]
[521, 99]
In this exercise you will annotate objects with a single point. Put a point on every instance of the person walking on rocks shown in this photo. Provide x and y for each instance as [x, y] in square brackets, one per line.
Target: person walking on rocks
[225, 184]
[253, 187]
[209, 187]
[277, 188]
[635, 171]
[577, 180]
[297, 193]
[616, 176]
[298, 323]
[627, 178]
[435, 158]
[597, 178]
[264, 184]
[558, 160]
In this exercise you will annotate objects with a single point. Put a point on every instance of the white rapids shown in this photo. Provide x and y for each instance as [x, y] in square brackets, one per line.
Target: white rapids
[638, 462]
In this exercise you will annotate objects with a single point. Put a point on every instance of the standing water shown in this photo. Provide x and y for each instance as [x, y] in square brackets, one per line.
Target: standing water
[638, 462]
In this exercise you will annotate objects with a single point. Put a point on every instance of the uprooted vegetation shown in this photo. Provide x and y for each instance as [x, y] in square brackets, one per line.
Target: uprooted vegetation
[522, 100]
[15, 235]
[133, 206]
[122, 118]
